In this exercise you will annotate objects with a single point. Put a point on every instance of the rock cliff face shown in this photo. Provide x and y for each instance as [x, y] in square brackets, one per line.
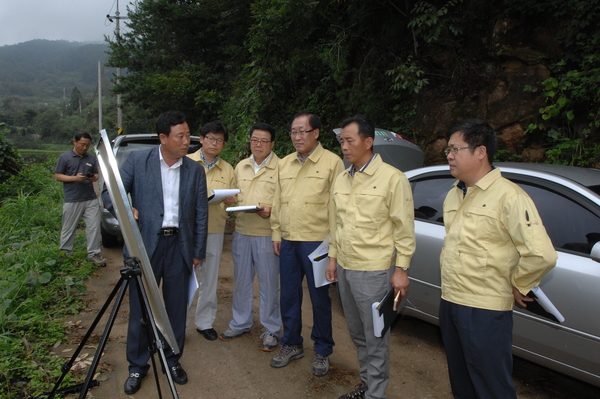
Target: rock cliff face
[515, 60]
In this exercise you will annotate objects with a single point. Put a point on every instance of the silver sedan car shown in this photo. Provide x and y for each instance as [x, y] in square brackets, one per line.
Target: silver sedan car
[568, 200]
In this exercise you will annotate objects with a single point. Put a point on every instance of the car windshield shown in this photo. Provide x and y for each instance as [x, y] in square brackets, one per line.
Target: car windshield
[128, 148]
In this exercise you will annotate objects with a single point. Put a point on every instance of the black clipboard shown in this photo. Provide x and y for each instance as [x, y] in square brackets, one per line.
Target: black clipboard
[384, 313]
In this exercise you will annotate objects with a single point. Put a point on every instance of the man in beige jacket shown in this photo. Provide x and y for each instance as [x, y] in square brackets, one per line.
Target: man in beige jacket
[256, 177]
[219, 175]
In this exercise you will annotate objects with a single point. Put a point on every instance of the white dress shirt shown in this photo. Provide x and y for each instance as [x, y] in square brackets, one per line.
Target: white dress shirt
[170, 188]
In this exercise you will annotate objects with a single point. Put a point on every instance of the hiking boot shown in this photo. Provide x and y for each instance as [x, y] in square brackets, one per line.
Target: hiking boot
[320, 366]
[97, 260]
[357, 393]
[229, 334]
[269, 341]
[286, 354]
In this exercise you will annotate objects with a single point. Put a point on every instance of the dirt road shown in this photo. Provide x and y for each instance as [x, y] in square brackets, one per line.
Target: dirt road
[239, 369]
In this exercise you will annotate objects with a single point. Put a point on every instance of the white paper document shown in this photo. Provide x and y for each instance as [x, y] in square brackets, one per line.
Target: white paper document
[548, 306]
[243, 208]
[378, 322]
[320, 260]
[218, 195]
[192, 287]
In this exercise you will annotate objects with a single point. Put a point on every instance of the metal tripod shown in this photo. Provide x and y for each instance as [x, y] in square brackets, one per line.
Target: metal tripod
[131, 270]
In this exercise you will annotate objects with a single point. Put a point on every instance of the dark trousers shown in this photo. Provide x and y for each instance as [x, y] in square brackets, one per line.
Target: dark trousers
[478, 350]
[170, 268]
[294, 265]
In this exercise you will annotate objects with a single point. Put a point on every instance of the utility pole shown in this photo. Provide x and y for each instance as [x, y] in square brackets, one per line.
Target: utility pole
[118, 17]
[99, 96]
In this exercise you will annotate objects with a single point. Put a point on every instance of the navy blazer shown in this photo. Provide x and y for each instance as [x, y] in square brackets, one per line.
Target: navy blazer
[142, 179]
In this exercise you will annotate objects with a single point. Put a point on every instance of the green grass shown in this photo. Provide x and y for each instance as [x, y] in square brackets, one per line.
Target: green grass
[55, 152]
[37, 287]
[43, 155]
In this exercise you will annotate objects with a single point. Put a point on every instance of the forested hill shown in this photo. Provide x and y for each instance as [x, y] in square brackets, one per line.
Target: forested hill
[42, 69]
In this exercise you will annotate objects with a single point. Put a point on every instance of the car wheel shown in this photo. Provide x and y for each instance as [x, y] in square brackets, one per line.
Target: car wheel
[108, 240]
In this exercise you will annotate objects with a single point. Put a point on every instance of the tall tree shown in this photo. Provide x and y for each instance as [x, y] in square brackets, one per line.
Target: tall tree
[76, 102]
[332, 57]
[182, 55]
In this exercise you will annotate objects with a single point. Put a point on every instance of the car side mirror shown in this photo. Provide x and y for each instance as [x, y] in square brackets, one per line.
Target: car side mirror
[596, 252]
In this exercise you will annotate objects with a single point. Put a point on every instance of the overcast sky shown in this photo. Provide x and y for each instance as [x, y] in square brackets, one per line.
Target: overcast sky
[72, 20]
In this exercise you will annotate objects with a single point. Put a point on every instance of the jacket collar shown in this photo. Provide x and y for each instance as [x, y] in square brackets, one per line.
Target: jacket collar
[315, 155]
[371, 167]
[485, 182]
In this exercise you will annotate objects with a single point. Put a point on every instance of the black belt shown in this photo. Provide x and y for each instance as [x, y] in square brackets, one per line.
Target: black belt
[168, 231]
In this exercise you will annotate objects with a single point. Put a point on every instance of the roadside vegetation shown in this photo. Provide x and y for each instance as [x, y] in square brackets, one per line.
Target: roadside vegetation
[38, 289]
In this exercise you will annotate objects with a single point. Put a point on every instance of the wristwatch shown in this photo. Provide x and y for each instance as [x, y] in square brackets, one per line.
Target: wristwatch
[404, 269]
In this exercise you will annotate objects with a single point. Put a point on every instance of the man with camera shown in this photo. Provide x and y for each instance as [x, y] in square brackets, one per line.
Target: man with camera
[78, 170]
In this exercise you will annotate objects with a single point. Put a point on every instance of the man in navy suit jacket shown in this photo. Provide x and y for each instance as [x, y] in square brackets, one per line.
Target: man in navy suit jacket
[169, 200]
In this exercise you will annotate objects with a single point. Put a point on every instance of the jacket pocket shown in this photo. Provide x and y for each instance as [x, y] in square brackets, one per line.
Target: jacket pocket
[468, 271]
[371, 208]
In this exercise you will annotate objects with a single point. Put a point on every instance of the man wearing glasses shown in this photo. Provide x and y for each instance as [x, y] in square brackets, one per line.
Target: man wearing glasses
[299, 223]
[252, 250]
[495, 251]
[219, 175]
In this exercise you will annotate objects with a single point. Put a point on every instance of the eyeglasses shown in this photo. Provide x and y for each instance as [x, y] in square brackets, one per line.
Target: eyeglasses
[454, 150]
[214, 140]
[261, 142]
[300, 132]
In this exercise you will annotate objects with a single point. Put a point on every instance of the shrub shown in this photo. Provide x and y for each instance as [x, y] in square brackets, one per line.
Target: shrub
[10, 161]
[32, 180]
[37, 287]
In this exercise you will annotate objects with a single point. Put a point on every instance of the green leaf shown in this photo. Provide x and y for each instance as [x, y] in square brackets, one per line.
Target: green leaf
[550, 83]
[9, 258]
[562, 101]
[32, 279]
[554, 134]
[5, 304]
[81, 288]
[45, 277]
[7, 290]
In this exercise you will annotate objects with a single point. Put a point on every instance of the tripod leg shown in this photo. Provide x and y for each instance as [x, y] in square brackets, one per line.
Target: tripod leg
[111, 321]
[120, 287]
[155, 340]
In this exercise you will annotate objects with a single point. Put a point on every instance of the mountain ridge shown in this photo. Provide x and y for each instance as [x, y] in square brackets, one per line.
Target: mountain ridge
[45, 69]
